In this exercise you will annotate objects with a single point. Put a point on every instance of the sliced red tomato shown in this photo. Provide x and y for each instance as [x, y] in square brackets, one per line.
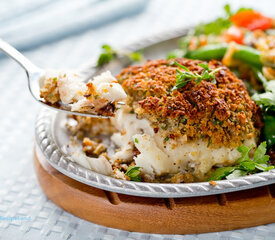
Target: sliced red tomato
[234, 34]
[252, 20]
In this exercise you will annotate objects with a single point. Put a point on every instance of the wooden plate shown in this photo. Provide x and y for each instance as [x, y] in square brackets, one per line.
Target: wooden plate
[191, 215]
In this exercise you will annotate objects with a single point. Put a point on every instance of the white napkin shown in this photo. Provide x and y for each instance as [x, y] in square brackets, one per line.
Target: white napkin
[35, 23]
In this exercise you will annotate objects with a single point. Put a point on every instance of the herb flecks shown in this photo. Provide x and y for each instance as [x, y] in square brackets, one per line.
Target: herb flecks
[164, 127]
[133, 173]
[217, 122]
[183, 77]
[246, 165]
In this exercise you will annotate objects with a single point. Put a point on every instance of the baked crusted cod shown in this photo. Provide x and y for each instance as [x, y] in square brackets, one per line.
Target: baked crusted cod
[179, 135]
[98, 96]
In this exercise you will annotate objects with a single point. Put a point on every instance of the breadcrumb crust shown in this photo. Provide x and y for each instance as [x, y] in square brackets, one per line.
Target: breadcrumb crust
[223, 112]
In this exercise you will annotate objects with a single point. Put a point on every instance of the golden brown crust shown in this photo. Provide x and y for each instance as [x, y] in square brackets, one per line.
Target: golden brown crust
[50, 91]
[222, 112]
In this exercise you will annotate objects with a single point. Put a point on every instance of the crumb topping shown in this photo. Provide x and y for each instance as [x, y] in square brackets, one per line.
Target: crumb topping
[223, 112]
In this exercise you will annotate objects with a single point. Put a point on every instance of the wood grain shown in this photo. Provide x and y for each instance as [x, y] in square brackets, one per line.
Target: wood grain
[152, 215]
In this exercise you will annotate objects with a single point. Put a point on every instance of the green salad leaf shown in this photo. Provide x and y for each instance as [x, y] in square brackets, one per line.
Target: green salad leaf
[221, 173]
[216, 26]
[259, 155]
[236, 174]
[266, 99]
[246, 165]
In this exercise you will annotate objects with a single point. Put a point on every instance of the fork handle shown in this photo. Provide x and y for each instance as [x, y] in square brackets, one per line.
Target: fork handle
[18, 57]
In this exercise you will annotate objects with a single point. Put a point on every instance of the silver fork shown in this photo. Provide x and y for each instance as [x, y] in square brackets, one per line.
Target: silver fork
[34, 74]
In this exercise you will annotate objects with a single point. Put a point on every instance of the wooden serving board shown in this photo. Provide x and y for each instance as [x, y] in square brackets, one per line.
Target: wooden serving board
[155, 215]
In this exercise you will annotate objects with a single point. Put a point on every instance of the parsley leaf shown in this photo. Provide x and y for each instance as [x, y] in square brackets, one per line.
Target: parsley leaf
[133, 173]
[166, 139]
[183, 77]
[259, 156]
[244, 150]
[135, 56]
[220, 173]
[246, 165]
[235, 174]
[108, 54]
[266, 99]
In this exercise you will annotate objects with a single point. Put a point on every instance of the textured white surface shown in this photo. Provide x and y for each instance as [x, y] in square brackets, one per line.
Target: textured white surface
[20, 194]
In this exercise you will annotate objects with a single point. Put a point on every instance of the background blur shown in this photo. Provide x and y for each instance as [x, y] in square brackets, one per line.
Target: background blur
[66, 34]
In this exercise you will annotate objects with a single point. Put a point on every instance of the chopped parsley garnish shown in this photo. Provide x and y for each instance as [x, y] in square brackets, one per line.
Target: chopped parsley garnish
[183, 120]
[183, 77]
[108, 54]
[217, 122]
[166, 139]
[246, 165]
[133, 173]
[163, 127]
[136, 140]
